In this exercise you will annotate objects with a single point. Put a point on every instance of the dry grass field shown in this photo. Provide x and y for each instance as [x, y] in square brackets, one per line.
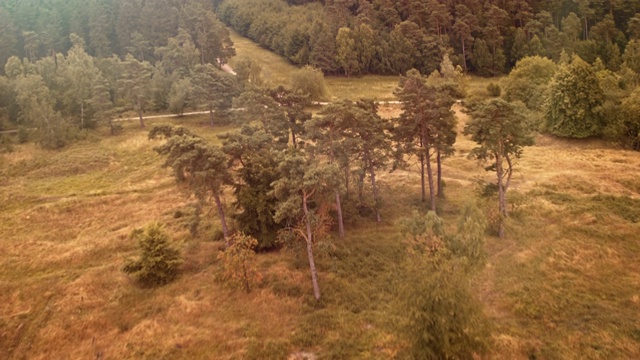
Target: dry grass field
[563, 284]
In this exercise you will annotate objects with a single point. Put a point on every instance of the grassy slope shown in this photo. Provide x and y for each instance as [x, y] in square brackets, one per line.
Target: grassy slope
[276, 71]
[565, 284]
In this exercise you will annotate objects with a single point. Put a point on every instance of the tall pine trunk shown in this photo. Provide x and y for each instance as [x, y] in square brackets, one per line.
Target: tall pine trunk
[312, 264]
[464, 56]
[422, 183]
[339, 211]
[223, 220]
[374, 187]
[502, 201]
[440, 190]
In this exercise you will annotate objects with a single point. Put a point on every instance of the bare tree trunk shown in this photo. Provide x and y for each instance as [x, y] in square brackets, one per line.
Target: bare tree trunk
[339, 210]
[502, 201]
[464, 56]
[140, 113]
[376, 198]
[422, 183]
[439, 160]
[347, 175]
[211, 115]
[223, 220]
[82, 114]
[312, 264]
[432, 192]
[247, 288]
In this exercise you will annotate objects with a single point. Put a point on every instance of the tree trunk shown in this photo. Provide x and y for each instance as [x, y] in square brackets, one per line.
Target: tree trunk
[294, 140]
[211, 114]
[223, 220]
[361, 185]
[432, 192]
[247, 288]
[140, 113]
[439, 160]
[502, 201]
[347, 175]
[376, 199]
[464, 56]
[422, 183]
[339, 210]
[312, 264]
[82, 114]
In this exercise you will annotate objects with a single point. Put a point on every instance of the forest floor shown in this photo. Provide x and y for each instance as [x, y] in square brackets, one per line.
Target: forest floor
[563, 284]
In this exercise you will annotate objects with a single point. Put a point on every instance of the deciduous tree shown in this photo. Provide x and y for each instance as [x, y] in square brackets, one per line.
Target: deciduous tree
[572, 108]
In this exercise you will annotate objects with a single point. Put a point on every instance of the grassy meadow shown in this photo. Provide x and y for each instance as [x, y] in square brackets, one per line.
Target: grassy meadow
[563, 284]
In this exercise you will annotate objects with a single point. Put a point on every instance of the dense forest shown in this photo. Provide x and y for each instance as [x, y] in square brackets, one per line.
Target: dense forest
[391, 37]
[68, 64]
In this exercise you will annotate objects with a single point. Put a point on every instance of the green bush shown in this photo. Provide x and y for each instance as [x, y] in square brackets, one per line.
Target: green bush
[494, 90]
[158, 262]
[444, 319]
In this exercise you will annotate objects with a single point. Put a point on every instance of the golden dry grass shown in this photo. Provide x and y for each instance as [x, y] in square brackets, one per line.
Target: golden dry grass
[564, 284]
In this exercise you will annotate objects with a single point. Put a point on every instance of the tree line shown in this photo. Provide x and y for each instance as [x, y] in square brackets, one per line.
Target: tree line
[35, 29]
[390, 37]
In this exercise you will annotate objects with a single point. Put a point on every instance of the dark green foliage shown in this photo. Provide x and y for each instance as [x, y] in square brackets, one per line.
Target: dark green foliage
[158, 262]
[256, 157]
[574, 101]
[624, 124]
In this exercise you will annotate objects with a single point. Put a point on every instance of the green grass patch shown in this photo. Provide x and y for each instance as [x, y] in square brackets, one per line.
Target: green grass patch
[375, 87]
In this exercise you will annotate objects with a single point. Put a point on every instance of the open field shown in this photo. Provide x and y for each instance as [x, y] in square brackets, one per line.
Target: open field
[276, 71]
[564, 284]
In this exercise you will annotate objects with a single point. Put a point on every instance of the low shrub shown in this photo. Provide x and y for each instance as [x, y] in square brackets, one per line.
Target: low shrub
[158, 262]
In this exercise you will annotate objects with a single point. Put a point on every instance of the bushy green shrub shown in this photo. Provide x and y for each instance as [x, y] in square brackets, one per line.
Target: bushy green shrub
[158, 262]
[444, 320]
[494, 90]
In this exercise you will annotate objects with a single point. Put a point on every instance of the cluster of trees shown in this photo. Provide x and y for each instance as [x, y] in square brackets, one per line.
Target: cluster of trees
[575, 99]
[66, 89]
[391, 37]
[295, 176]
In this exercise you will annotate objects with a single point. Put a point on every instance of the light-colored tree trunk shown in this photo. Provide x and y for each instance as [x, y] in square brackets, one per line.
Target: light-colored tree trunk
[439, 160]
[339, 211]
[422, 183]
[432, 192]
[374, 187]
[309, 239]
[464, 55]
[211, 115]
[82, 114]
[502, 202]
[223, 220]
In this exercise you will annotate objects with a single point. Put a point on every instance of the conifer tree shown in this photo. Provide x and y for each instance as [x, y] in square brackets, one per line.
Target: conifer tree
[500, 131]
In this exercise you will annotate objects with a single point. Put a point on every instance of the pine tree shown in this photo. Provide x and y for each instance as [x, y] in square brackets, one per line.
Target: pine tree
[500, 131]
